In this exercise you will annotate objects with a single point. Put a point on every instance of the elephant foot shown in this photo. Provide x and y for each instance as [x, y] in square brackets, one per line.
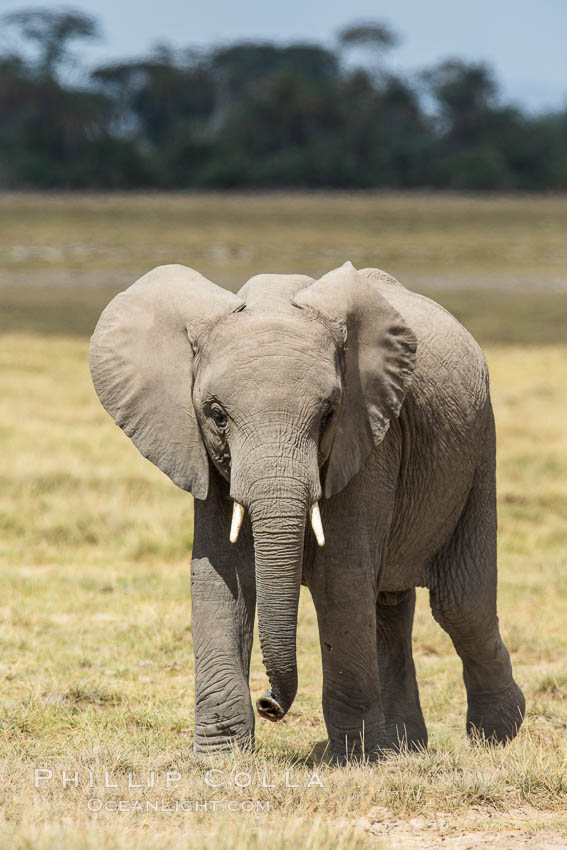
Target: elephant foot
[394, 739]
[394, 745]
[206, 750]
[354, 748]
[495, 717]
[214, 738]
[406, 736]
[356, 759]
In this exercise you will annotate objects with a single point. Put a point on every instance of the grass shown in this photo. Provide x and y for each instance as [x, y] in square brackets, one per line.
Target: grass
[111, 239]
[96, 666]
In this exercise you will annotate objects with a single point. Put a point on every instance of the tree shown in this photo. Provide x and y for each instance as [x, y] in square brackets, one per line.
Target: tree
[374, 38]
[465, 94]
[373, 34]
[260, 114]
[52, 31]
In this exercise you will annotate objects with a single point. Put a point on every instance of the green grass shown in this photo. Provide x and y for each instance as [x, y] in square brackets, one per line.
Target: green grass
[96, 664]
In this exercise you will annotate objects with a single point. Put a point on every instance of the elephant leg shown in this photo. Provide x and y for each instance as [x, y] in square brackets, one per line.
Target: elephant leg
[346, 615]
[405, 725]
[463, 600]
[223, 599]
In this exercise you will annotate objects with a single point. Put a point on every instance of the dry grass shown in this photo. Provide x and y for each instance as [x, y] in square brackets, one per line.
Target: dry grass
[114, 238]
[96, 663]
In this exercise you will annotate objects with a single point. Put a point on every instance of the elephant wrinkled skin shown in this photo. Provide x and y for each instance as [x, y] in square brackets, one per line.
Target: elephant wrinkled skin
[351, 393]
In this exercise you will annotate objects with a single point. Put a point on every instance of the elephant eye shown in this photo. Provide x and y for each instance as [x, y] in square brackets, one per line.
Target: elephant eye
[327, 418]
[218, 415]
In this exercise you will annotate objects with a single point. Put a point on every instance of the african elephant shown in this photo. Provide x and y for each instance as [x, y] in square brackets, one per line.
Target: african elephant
[354, 403]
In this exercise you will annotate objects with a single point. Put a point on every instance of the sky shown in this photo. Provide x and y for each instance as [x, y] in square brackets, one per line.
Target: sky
[523, 40]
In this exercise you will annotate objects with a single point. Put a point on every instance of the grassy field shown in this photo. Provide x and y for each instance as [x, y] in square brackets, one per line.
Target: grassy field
[109, 238]
[96, 664]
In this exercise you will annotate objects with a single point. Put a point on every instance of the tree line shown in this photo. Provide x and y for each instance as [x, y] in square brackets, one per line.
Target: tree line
[260, 114]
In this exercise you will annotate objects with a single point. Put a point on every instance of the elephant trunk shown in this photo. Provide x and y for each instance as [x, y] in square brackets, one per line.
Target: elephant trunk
[278, 495]
[278, 545]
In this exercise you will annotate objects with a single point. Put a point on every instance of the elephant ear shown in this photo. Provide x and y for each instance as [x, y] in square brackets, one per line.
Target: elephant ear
[141, 357]
[379, 354]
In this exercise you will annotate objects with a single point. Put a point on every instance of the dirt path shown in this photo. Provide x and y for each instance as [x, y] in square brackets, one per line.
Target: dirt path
[517, 829]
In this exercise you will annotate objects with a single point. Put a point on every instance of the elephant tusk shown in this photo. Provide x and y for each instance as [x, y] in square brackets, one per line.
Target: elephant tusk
[237, 517]
[316, 524]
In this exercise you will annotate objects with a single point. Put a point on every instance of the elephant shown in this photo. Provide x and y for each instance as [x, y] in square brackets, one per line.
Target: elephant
[337, 433]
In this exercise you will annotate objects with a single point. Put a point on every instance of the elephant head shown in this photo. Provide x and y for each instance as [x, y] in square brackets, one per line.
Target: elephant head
[285, 388]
